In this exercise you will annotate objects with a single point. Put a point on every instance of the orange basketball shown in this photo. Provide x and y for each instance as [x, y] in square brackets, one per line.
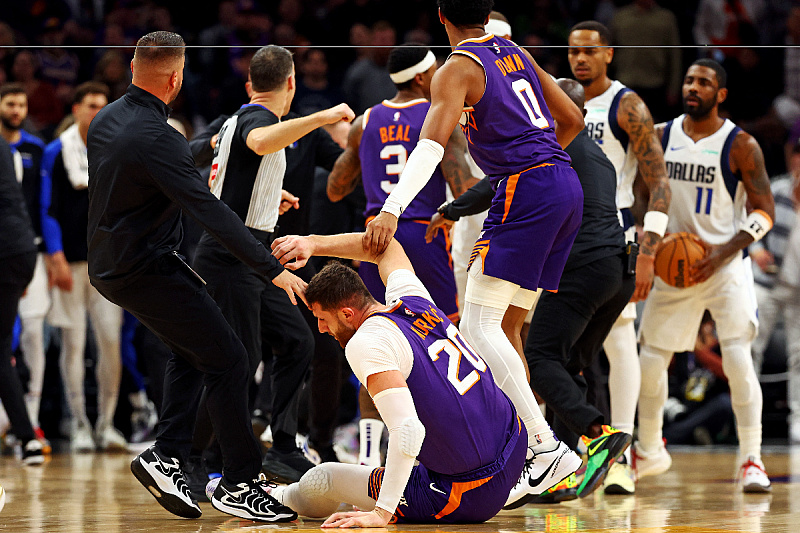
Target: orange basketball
[678, 252]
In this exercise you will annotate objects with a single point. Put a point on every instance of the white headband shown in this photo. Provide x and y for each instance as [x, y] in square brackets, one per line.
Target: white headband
[498, 27]
[409, 73]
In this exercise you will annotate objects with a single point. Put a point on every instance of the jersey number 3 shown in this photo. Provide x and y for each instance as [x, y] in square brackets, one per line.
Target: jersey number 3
[393, 169]
[454, 346]
[524, 91]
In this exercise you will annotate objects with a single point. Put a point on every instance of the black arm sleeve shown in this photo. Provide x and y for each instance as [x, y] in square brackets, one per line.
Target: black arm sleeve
[201, 144]
[184, 185]
[327, 150]
[474, 200]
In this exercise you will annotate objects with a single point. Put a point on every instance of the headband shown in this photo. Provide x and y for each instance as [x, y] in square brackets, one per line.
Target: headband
[409, 73]
[498, 27]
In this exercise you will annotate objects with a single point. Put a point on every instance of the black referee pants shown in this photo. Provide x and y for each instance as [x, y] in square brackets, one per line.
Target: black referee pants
[15, 274]
[567, 331]
[175, 306]
[268, 324]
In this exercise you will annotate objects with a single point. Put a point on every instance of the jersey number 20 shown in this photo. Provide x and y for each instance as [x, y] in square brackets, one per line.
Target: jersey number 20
[455, 346]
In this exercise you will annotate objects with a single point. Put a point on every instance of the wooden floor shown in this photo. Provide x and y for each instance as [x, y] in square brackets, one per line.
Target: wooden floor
[97, 493]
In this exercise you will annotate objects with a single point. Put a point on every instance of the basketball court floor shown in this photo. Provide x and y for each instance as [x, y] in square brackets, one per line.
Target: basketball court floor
[98, 494]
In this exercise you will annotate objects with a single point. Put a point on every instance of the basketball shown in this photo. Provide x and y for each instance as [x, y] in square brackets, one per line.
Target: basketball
[677, 253]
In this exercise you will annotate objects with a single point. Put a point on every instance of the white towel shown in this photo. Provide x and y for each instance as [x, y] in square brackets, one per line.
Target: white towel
[76, 160]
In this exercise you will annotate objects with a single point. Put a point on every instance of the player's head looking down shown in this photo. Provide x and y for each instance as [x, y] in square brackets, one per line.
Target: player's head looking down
[704, 88]
[590, 52]
[463, 13]
[338, 298]
[411, 67]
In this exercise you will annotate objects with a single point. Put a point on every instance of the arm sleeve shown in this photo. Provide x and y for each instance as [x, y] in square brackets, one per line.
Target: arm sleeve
[171, 166]
[51, 230]
[403, 282]
[327, 150]
[476, 199]
[379, 346]
[200, 146]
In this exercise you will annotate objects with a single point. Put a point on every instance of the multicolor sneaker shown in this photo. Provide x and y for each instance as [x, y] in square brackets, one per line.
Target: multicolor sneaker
[602, 452]
[564, 491]
[620, 478]
[650, 464]
[47, 449]
[752, 476]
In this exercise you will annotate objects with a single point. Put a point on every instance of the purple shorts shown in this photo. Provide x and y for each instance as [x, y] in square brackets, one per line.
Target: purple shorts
[432, 264]
[470, 498]
[531, 226]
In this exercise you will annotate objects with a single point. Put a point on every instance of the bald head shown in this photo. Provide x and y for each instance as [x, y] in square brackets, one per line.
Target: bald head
[574, 90]
[158, 62]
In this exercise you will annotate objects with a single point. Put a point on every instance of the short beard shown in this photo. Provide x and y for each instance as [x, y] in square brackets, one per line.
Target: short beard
[585, 82]
[701, 111]
[9, 126]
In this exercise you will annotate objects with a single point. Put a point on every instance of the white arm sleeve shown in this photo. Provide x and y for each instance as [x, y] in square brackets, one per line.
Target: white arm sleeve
[378, 346]
[406, 434]
[418, 170]
[403, 282]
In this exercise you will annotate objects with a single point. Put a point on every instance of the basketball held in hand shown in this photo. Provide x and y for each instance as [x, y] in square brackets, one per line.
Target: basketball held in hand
[677, 253]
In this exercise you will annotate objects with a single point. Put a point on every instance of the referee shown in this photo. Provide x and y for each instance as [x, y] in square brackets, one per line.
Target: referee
[141, 175]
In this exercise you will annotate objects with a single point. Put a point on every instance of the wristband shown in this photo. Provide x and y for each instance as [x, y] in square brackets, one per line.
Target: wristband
[656, 222]
[444, 210]
[757, 224]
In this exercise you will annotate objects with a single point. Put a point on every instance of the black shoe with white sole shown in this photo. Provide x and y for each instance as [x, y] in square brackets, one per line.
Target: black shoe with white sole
[163, 477]
[251, 501]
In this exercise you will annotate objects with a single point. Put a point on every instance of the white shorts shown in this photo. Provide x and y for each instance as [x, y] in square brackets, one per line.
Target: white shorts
[671, 317]
[69, 308]
[36, 301]
[495, 292]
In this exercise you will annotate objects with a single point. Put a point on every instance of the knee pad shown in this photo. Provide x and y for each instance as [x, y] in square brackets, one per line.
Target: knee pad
[316, 482]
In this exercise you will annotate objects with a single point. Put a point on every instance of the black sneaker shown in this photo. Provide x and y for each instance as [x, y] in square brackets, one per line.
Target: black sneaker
[285, 467]
[32, 453]
[163, 477]
[327, 454]
[196, 478]
[250, 501]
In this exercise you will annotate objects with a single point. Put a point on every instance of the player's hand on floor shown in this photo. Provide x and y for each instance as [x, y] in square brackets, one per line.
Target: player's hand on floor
[288, 201]
[374, 518]
[437, 221]
[380, 232]
[645, 273]
[292, 247]
[292, 285]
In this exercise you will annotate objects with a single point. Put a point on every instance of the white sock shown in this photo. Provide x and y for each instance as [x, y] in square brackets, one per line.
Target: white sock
[652, 397]
[370, 432]
[624, 376]
[482, 327]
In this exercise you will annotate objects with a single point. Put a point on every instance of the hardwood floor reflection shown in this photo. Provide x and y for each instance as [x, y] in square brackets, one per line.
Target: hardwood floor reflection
[97, 493]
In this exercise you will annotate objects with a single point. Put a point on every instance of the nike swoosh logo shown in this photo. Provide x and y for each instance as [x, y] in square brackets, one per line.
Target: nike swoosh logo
[434, 489]
[591, 450]
[675, 148]
[538, 480]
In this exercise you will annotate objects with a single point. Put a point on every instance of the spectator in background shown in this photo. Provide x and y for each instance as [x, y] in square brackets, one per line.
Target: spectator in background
[7, 40]
[58, 66]
[367, 83]
[114, 71]
[653, 73]
[314, 90]
[44, 109]
[719, 22]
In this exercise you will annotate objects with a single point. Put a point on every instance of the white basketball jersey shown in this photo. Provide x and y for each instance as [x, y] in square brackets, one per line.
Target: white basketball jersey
[601, 123]
[707, 198]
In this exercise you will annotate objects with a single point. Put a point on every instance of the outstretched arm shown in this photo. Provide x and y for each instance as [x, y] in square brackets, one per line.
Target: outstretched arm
[269, 139]
[635, 119]
[748, 161]
[346, 171]
[345, 245]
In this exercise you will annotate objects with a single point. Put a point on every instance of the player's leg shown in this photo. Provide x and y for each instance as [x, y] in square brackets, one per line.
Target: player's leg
[792, 325]
[624, 376]
[107, 324]
[32, 310]
[323, 488]
[370, 430]
[768, 310]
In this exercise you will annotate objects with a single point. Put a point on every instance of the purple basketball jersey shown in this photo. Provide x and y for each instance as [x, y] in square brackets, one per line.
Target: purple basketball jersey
[510, 129]
[468, 419]
[391, 132]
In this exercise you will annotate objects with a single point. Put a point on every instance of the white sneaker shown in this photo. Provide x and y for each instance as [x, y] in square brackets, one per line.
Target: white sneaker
[794, 433]
[81, 440]
[650, 464]
[110, 439]
[619, 479]
[752, 476]
[542, 471]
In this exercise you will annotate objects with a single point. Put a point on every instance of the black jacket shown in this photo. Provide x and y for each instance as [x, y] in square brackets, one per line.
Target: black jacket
[16, 236]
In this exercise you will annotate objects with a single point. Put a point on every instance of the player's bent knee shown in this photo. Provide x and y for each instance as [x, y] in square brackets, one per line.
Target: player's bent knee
[316, 482]
[411, 433]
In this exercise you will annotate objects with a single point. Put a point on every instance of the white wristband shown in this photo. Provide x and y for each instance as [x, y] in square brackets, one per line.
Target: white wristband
[656, 222]
[757, 224]
[418, 170]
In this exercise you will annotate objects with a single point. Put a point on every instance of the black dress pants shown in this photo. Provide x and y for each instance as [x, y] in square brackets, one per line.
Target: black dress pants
[567, 331]
[269, 326]
[174, 304]
[15, 274]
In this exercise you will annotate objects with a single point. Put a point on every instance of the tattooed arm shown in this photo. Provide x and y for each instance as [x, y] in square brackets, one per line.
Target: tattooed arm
[747, 161]
[346, 171]
[634, 117]
[454, 164]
